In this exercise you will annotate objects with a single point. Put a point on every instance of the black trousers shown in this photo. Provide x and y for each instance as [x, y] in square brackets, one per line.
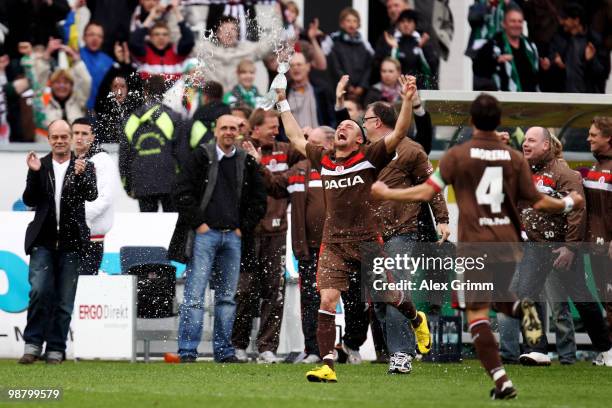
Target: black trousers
[91, 257]
[151, 203]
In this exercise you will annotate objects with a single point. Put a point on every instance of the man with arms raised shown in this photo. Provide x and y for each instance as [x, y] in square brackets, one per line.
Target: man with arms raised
[347, 172]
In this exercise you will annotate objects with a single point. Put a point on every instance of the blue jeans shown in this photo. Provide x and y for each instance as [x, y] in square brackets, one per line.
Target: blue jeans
[216, 254]
[53, 279]
[396, 328]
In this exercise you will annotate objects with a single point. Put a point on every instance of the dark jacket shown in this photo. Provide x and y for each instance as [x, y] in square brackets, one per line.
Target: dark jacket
[423, 63]
[194, 190]
[150, 151]
[40, 193]
[114, 15]
[580, 75]
[350, 56]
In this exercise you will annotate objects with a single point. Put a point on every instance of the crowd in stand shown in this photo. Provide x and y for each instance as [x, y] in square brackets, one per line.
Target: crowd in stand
[67, 59]
[134, 68]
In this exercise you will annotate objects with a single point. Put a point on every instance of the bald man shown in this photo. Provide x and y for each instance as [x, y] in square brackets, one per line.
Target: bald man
[553, 244]
[220, 196]
[57, 186]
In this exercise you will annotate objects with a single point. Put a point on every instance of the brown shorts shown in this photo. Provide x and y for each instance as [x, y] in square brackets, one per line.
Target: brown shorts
[500, 274]
[339, 262]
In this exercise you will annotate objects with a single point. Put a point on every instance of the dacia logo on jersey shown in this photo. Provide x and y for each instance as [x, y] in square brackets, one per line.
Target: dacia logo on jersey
[342, 183]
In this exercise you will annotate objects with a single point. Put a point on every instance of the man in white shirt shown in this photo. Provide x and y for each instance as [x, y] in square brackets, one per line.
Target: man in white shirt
[99, 213]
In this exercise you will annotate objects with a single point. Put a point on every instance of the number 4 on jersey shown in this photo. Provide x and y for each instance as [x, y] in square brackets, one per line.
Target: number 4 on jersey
[490, 189]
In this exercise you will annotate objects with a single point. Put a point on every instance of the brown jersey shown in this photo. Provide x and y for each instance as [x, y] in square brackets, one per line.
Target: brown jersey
[553, 177]
[277, 159]
[598, 194]
[489, 178]
[349, 208]
[410, 166]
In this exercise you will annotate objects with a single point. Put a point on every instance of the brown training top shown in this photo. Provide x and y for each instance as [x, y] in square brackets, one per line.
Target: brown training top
[489, 178]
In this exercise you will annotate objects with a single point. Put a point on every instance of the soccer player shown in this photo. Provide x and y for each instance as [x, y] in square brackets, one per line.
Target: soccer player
[348, 171]
[489, 178]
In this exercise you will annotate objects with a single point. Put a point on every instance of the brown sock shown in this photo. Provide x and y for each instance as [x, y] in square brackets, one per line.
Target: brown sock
[488, 354]
[408, 309]
[326, 336]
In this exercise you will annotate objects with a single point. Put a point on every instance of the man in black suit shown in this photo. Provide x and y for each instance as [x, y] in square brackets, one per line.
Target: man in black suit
[57, 186]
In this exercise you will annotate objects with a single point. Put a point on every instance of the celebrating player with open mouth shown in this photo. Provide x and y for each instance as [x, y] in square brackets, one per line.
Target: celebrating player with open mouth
[489, 178]
[348, 171]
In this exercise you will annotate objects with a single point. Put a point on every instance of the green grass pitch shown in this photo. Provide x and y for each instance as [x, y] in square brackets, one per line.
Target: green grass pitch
[119, 384]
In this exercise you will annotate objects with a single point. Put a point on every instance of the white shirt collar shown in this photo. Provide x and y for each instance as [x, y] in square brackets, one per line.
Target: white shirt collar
[221, 153]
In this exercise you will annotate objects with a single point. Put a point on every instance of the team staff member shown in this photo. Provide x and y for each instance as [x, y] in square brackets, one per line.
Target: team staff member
[58, 186]
[598, 193]
[262, 270]
[100, 212]
[347, 172]
[489, 178]
[409, 166]
[553, 177]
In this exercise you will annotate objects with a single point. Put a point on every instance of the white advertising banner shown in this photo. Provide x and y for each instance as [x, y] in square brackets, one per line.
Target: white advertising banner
[129, 229]
[104, 317]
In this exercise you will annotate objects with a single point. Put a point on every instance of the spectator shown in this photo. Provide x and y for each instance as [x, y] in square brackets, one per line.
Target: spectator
[119, 95]
[5, 129]
[309, 104]
[351, 55]
[99, 213]
[149, 151]
[577, 55]
[185, 96]
[69, 88]
[225, 52]
[388, 89]
[508, 61]
[245, 92]
[485, 18]
[33, 21]
[263, 253]
[203, 125]
[220, 195]
[98, 63]
[291, 26]
[121, 101]
[114, 16]
[159, 56]
[58, 186]
[413, 51]
[163, 13]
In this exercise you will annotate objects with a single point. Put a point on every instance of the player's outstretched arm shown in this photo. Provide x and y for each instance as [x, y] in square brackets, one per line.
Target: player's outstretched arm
[292, 128]
[404, 119]
[422, 192]
[572, 201]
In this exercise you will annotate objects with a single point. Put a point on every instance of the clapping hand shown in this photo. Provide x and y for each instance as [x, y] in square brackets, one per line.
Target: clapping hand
[80, 165]
[250, 149]
[33, 161]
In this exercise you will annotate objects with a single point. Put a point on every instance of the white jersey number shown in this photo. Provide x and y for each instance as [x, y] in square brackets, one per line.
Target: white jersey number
[490, 190]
